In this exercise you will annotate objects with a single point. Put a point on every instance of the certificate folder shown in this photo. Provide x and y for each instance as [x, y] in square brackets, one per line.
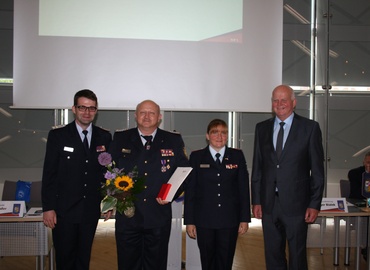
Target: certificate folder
[168, 190]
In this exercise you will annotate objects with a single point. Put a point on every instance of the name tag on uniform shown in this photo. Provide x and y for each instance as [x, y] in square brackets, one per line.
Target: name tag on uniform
[204, 166]
[127, 151]
[68, 149]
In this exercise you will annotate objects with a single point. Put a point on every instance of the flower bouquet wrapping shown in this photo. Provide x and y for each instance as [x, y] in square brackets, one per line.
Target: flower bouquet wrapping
[120, 188]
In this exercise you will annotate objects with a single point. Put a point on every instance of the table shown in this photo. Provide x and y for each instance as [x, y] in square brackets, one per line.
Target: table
[26, 236]
[356, 213]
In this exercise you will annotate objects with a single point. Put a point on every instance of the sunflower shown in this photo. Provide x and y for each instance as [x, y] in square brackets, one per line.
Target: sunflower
[123, 183]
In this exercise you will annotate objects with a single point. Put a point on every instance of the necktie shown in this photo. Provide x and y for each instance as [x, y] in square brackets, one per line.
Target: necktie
[85, 142]
[218, 161]
[279, 141]
[148, 141]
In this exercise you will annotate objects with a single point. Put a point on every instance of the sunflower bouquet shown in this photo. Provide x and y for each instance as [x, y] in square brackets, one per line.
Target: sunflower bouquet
[120, 188]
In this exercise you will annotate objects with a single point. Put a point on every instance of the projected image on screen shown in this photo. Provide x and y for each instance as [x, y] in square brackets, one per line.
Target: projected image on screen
[180, 20]
[127, 51]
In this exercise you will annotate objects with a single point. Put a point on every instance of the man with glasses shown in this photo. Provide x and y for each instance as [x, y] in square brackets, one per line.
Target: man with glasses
[217, 204]
[71, 182]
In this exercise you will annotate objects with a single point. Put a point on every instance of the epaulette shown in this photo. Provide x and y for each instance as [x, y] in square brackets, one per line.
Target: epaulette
[105, 129]
[120, 130]
[58, 126]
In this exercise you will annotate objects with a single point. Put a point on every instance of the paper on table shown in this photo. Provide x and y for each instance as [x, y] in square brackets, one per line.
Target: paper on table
[168, 190]
[34, 212]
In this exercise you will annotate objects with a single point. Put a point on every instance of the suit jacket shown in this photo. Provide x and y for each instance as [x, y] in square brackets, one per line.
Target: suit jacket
[217, 198]
[157, 165]
[72, 179]
[355, 179]
[299, 175]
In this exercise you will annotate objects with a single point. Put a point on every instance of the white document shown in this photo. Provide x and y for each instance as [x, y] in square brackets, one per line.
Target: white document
[175, 182]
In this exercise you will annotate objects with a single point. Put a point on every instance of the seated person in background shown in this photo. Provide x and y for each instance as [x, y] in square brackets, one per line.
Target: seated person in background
[355, 178]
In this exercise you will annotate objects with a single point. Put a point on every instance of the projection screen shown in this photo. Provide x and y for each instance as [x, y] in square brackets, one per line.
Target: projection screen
[194, 55]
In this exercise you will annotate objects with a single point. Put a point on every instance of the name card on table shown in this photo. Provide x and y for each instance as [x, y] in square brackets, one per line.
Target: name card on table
[12, 208]
[335, 205]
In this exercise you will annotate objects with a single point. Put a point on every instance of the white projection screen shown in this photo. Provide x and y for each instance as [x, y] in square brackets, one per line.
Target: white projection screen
[193, 55]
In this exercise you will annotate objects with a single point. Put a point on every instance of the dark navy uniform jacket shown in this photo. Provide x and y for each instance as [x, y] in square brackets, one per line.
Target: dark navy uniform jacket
[157, 165]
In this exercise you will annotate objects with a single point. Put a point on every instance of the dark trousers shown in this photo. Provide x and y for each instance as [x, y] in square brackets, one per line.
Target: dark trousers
[279, 228]
[73, 242]
[143, 249]
[217, 247]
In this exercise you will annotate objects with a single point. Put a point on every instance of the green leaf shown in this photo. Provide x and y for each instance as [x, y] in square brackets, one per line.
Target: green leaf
[107, 204]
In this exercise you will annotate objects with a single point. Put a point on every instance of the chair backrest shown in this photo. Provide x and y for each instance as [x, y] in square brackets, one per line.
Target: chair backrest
[35, 196]
[345, 188]
[9, 190]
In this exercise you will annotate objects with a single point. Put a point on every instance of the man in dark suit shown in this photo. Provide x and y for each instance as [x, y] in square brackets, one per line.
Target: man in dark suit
[142, 240]
[287, 180]
[71, 182]
[355, 178]
[217, 203]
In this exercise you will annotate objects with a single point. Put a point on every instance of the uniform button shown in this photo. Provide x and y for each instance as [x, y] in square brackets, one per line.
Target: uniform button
[218, 195]
[219, 205]
[218, 174]
[87, 161]
[84, 197]
[145, 174]
[68, 157]
[85, 185]
[145, 186]
[85, 173]
[278, 166]
[219, 184]
[145, 161]
[144, 200]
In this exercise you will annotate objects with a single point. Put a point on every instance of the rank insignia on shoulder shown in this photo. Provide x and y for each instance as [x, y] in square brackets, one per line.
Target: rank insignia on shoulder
[59, 126]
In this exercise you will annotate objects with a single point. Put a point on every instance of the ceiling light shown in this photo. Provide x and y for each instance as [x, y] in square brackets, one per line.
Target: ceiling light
[296, 14]
[4, 112]
[3, 139]
[361, 151]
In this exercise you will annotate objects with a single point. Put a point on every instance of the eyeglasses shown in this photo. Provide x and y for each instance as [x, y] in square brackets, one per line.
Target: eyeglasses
[83, 108]
[216, 132]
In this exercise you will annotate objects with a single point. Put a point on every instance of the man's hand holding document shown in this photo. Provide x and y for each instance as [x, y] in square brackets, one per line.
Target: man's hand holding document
[168, 190]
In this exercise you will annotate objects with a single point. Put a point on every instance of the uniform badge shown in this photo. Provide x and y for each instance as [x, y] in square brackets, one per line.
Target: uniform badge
[100, 148]
[167, 153]
[127, 151]
[204, 166]
[231, 166]
[163, 168]
[68, 149]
